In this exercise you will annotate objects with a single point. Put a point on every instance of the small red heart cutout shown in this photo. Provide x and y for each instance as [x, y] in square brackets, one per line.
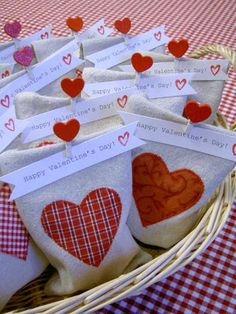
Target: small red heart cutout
[85, 230]
[24, 56]
[141, 63]
[196, 112]
[75, 23]
[12, 29]
[123, 26]
[68, 130]
[178, 48]
[72, 87]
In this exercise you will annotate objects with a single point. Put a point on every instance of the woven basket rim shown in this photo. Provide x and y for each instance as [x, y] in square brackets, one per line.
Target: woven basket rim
[208, 227]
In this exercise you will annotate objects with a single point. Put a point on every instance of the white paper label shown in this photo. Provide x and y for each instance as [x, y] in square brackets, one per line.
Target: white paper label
[201, 70]
[86, 111]
[152, 87]
[200, 138]
[84, 155]
[6, 55]
[63, 61]
[6, 71]
[119, 53]
[10, 128]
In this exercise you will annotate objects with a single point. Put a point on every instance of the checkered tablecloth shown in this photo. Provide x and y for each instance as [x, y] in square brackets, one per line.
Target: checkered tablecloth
[208, 284]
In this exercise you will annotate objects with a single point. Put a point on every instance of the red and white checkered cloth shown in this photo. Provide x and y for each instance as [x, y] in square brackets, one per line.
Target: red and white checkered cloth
[208, 284]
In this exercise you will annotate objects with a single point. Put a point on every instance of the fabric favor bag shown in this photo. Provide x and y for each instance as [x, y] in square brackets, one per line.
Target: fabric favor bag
[79, 222]
[170, 183]
[90, 46]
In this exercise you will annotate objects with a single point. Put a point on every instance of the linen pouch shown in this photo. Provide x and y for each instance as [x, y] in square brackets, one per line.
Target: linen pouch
[170, 183]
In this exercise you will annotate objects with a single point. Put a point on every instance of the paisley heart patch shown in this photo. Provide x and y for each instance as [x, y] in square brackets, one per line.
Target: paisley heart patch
[141, 63]
[24, 56]
[75, 24]
[12, 29]
[68, 130]
[87, 230]
[14, 239]
[196, 112]
[72, 87]
[123, 26]
[178, 48]
[160, 194]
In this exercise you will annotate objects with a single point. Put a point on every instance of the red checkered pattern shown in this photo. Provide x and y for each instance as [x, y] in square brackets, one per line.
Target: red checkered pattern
[207, 285]
[86, 230]
[14, 238]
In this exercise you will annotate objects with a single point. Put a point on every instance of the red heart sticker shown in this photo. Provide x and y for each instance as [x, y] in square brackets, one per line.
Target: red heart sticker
[12, 29]
[180, 84]
[87, 230]
[178, 48]
[215, 69]
[5, 102]
[123, 139]
[14, 239]
[75, 23]
[122, 101]
[101, 30]
[160, 194]
[24, 56]
[67, 59]
[10, 125]
[123, 26]
[141, 63]
[196, 112]
[72, 87]
[68, 130]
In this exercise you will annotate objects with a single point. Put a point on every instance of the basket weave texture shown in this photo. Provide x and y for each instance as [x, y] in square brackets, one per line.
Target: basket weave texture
[31, 298]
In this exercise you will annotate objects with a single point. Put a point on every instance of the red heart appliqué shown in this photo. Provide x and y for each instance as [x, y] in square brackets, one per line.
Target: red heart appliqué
[123, 139]
[14, 239]
[24, 56]
[196, 112]
[10, 125]
[86, 230]
[178, 48]
[68, 130]
[67, 59]
[160, 194]
[75, 24]
[72, 87]
[101, 30]
[122, 101]
[12, 29]
[141, 63]
[215, 69]
[5, 102]
[123, 26]
[180, 84]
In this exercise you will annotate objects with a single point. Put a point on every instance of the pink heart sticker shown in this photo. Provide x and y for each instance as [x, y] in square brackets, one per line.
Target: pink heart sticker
[158, 36]
[67, 59]
[5, 102]
[12, 29]
[101, 30]
[24, 56]
[10, 125]
[180, 84]
[123, 139]
[122, 101]
[215, 69]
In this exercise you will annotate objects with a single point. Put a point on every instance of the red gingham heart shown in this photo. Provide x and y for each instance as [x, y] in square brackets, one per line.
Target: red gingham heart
[86, 230]
[14, 239]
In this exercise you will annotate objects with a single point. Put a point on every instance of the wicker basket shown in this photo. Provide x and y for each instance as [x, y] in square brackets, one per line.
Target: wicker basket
[31, 299]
